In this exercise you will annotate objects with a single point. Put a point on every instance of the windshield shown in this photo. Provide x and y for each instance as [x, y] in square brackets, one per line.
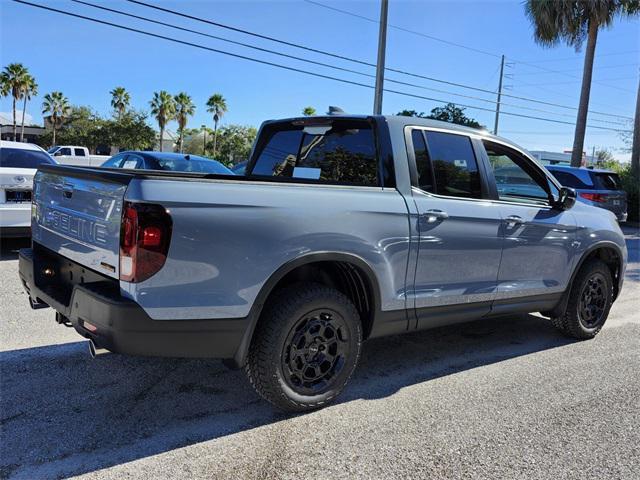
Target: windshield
[20, 158]
[194, 164]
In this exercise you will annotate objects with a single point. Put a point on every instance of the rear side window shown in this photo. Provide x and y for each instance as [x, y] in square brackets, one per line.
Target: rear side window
[19, 158]
[454, 165]
[343, 152]
[114, 162]
[79, 152]
[606, 181]
[569, 179]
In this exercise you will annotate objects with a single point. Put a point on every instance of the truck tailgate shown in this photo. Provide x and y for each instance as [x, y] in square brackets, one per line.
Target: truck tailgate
[77, 213]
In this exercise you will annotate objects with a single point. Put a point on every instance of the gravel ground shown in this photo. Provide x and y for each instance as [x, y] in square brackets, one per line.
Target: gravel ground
[502, 398]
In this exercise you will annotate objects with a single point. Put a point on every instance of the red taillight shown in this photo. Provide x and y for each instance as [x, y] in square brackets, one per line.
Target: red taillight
[594, 197]
[145, 233]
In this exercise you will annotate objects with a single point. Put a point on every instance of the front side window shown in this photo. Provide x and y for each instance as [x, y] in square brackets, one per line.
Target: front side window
[343, 152]
[516, 180]
[454, 164]
[64, 151]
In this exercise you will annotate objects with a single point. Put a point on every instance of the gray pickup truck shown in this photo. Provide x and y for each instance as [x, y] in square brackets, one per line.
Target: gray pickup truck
[344, 228]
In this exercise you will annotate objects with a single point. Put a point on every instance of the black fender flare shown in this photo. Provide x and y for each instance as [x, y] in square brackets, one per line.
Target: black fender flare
[592, 248]
[267, 288]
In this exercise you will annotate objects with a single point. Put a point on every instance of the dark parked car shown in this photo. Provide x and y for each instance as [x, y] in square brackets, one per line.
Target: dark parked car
[600, 188]
[171, 162]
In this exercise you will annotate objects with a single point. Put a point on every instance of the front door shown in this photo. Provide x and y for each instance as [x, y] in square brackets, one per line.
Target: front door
[538, 238]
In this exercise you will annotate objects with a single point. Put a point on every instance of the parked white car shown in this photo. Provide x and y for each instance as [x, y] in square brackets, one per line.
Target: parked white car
[18, 164]
[76, 155]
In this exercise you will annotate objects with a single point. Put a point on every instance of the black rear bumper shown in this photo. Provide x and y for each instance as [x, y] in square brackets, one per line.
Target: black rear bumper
[121, 325]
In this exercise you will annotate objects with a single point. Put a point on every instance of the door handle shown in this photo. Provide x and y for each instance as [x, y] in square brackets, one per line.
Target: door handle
[67, 190]
[513, 220]
[433, 216]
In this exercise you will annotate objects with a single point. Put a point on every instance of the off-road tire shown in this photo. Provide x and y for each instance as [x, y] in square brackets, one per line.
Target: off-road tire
[267, 366]
[570, 322]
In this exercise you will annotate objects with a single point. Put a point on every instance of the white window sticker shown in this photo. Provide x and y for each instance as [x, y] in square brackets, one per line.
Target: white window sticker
[130, 164]
[460, 163]
[306, 172]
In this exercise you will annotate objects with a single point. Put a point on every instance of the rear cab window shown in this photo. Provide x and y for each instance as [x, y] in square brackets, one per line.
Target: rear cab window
[335, 151]
[446, 164]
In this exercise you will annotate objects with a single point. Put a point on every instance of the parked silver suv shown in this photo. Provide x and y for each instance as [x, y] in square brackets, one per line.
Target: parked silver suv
[344, 228]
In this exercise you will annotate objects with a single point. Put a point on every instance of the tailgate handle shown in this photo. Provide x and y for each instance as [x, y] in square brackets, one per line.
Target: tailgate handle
[67, 190]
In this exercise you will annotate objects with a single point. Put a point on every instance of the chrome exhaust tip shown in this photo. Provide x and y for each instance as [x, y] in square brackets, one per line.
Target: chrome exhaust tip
[92, 348]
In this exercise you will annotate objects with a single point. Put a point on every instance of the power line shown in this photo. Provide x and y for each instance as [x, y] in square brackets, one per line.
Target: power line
[273, 64]
[362, 62]
[326, 65]
[397, 27]
[581, 58]
[579, 70]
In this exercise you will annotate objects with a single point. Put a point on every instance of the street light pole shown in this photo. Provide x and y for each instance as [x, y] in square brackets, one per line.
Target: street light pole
[382, 45]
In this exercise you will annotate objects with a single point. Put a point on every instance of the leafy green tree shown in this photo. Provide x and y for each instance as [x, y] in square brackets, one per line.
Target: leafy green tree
[56, 105]
[12, 82]
[120, 100]
[234, 143]
[572, 22]
[129, 132]
[29, 88]
[185, 108]
[411, 113]
[308, 111]
[453, 114]
[163, 108]
[218, 106]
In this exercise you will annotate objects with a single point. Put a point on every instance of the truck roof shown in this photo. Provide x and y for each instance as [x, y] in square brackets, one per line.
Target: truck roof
[401, 120]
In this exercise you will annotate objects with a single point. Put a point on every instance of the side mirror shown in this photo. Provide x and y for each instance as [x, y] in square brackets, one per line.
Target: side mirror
[566, 198]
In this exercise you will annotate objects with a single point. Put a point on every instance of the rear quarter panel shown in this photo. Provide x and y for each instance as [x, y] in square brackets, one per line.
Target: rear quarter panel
[230, 237]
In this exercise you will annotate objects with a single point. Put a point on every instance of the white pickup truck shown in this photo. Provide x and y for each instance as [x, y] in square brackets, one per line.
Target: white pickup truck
[74, 155]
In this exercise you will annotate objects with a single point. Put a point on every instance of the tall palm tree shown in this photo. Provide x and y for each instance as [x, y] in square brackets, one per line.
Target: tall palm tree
[57, 106]
[12, 80]
[218, 106]
[184, 109]
[120, 100]
[163, 108]
[571, 22]
[29, 88]
[308, 111]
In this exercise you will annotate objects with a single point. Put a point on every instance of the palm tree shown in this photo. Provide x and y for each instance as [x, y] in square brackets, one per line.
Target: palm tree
[29, 88]
[12, 80]
[57, 106]
[571, 22]
[163, 107]
[218, 106]
[120, 100]
[184, 109]
[308, 111]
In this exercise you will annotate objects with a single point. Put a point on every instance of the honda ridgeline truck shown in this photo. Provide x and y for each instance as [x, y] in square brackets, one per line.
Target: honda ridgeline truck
[343, 229]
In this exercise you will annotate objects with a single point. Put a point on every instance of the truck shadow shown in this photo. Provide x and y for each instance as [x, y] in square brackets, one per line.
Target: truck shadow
[63, 414]
[9, 247]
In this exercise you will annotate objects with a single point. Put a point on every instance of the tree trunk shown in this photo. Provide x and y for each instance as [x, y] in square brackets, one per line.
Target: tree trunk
[53, 119]
[635, 146]
[15, 128]
[181, 138]
[215, 138]
[161, 136]
[581, 121]
[24, 110]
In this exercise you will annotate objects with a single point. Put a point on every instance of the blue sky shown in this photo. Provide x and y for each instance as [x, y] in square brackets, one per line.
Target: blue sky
[85, 61]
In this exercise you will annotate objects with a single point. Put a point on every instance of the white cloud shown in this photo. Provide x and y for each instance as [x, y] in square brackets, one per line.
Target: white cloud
[6, 118]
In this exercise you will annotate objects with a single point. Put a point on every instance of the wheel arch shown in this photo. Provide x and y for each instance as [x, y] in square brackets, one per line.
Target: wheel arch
[356, 274]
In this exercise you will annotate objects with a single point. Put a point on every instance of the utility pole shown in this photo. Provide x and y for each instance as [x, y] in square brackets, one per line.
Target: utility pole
[635, 145]
[495, 125]
[382, 45]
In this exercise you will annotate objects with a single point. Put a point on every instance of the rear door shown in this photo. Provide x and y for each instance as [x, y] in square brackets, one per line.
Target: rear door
[78, 213]
[460, 242]
[538, 238]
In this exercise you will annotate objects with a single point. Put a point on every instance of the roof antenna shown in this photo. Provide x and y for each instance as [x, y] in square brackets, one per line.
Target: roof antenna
[335, 110]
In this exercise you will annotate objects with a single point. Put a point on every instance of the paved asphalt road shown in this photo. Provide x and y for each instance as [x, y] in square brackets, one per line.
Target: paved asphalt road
[507, 398]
